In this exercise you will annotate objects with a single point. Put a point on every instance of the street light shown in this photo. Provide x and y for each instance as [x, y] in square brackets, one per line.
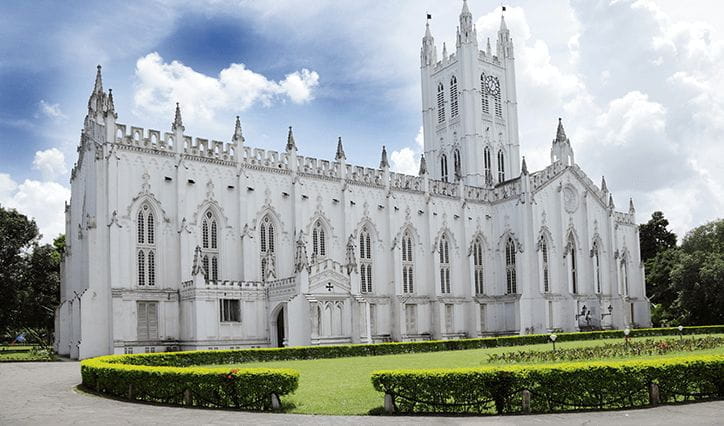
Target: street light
[626, 332]
[681, 331]
[553, 338]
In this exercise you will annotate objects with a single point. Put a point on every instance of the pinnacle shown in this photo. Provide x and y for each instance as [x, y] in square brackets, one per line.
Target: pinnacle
[560, 133]
[340, 150]
[383, 161]
[177, 122]
[524, 168]
[423, 165]
[237, 131]
[98, 87]
[290, 140]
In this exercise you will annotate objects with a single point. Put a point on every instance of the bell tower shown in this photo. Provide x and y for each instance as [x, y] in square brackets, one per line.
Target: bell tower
[469, 107]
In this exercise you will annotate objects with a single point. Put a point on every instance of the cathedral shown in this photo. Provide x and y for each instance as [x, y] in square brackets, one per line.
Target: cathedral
[178, 243]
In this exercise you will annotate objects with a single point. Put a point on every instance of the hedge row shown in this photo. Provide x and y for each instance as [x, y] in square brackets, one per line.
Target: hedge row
[553, 388]
[249, 388]
[238, 356]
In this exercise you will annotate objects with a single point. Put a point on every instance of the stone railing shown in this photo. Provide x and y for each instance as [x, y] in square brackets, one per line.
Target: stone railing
[446, 189]
[406, 182]
[315, 166]
[326, 264]
[264, 158]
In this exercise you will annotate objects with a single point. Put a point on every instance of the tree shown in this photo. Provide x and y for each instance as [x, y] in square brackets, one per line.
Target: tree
[654, 237]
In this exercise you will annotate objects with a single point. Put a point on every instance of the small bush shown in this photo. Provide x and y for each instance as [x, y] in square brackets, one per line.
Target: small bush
[249, 388]
[559, 387]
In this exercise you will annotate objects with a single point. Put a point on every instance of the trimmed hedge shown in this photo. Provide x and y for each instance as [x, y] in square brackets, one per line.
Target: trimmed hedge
[249, 388]
[239, 356]
[553, 388]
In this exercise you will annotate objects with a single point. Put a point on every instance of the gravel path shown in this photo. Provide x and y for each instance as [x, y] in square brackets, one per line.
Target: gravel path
[44, 393]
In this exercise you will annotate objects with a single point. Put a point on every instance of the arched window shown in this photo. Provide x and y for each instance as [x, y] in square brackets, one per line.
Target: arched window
[266, 244]
[444, 265]
[484, 94]
[453, 97]
[319, 242]
[365, 260]
[408, 264]
[210, 246]
[456, 164]
[596, 258]
[443, 167]
[624, 274]
[146, 246]
[544, 264]
[572, 263]
[478, 272]
[487, 163]
[501, 166]
[510, 273]
[440, 103]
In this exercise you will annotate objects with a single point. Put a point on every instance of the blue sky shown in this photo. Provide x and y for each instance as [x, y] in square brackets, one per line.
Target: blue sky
[637, 83]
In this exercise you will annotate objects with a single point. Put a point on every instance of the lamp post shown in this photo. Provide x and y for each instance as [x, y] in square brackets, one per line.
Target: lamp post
[626, 332]
[553, 338]
[681, 331]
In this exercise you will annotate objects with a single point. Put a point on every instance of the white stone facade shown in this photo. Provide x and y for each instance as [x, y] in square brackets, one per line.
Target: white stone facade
[176, 242]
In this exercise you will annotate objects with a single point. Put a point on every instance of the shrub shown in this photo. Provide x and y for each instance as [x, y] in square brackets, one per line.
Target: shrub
[559, 387]
[249, 388]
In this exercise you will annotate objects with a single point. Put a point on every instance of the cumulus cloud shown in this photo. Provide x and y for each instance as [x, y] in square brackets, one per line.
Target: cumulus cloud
[42, 201]
[407, 159]
[160, 84]
[51, 163]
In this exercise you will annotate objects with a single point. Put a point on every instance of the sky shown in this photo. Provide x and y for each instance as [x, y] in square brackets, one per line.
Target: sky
[636, 82]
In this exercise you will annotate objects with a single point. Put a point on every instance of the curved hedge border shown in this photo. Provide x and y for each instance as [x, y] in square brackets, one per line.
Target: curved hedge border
[239, 356]
[125, 377]
[552, 388]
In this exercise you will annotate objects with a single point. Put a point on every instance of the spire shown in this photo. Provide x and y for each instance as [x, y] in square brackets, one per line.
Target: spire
[111, 108]
[290, 140]
[466, 23]
[428, 55]
[177, 123]
[560, 133]
[503, 27]
[98, 88]
[610, 202]
[465, 10]
[604, 188]
[238, 137]
[631, 208]
[524, 168]
[383, 161]
[340, 151]
[423, 165]
[444, 51]
[428, 35]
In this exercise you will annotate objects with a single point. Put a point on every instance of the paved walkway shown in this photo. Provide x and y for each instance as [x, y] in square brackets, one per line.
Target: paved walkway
[44, 393]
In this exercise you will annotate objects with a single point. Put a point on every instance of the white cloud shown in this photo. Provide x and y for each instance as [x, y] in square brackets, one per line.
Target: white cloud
[43, 201]
[407, 159]
[51, 163]
[50, 110]
[159, 85]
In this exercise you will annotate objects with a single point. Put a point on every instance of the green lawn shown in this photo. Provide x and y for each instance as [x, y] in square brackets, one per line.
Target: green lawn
[11, 353]
[342, 385]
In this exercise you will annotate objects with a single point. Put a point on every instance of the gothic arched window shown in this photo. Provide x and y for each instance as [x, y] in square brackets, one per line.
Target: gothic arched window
[443, 167]
[544, 264]
[408, 264]
[453, 97]
[440, 103]
[210, 246]
[146, 246]
[266, 244]
[501, 166]
[365, 260]
[319, 242]
[487, 163]
[510, 272]
[596, 258]
[456, 164]
[624, 274]
[444, 265]
[572, 263]
[484, 94]
[479, 271]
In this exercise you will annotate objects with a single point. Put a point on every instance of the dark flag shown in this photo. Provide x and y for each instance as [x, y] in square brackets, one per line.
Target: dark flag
[429, 16]
[503, 8]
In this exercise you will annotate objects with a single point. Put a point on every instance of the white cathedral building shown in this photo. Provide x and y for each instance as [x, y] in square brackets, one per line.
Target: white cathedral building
[178, 243]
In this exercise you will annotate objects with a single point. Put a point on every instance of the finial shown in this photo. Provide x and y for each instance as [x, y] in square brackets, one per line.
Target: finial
[631, 208]
[444, 50]
[610, 202]
[340, 151]
[111, 108]
[604, 188]
[423, 165]
[290, 140]
[238, 137]
[524, 168]
[99, 81]
[383, 161]
[177, 123]
[560, 133]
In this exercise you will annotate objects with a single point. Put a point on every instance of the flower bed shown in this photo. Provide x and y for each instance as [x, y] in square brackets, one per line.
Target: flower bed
[552, 388]
[611, 350]
[123, 376]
